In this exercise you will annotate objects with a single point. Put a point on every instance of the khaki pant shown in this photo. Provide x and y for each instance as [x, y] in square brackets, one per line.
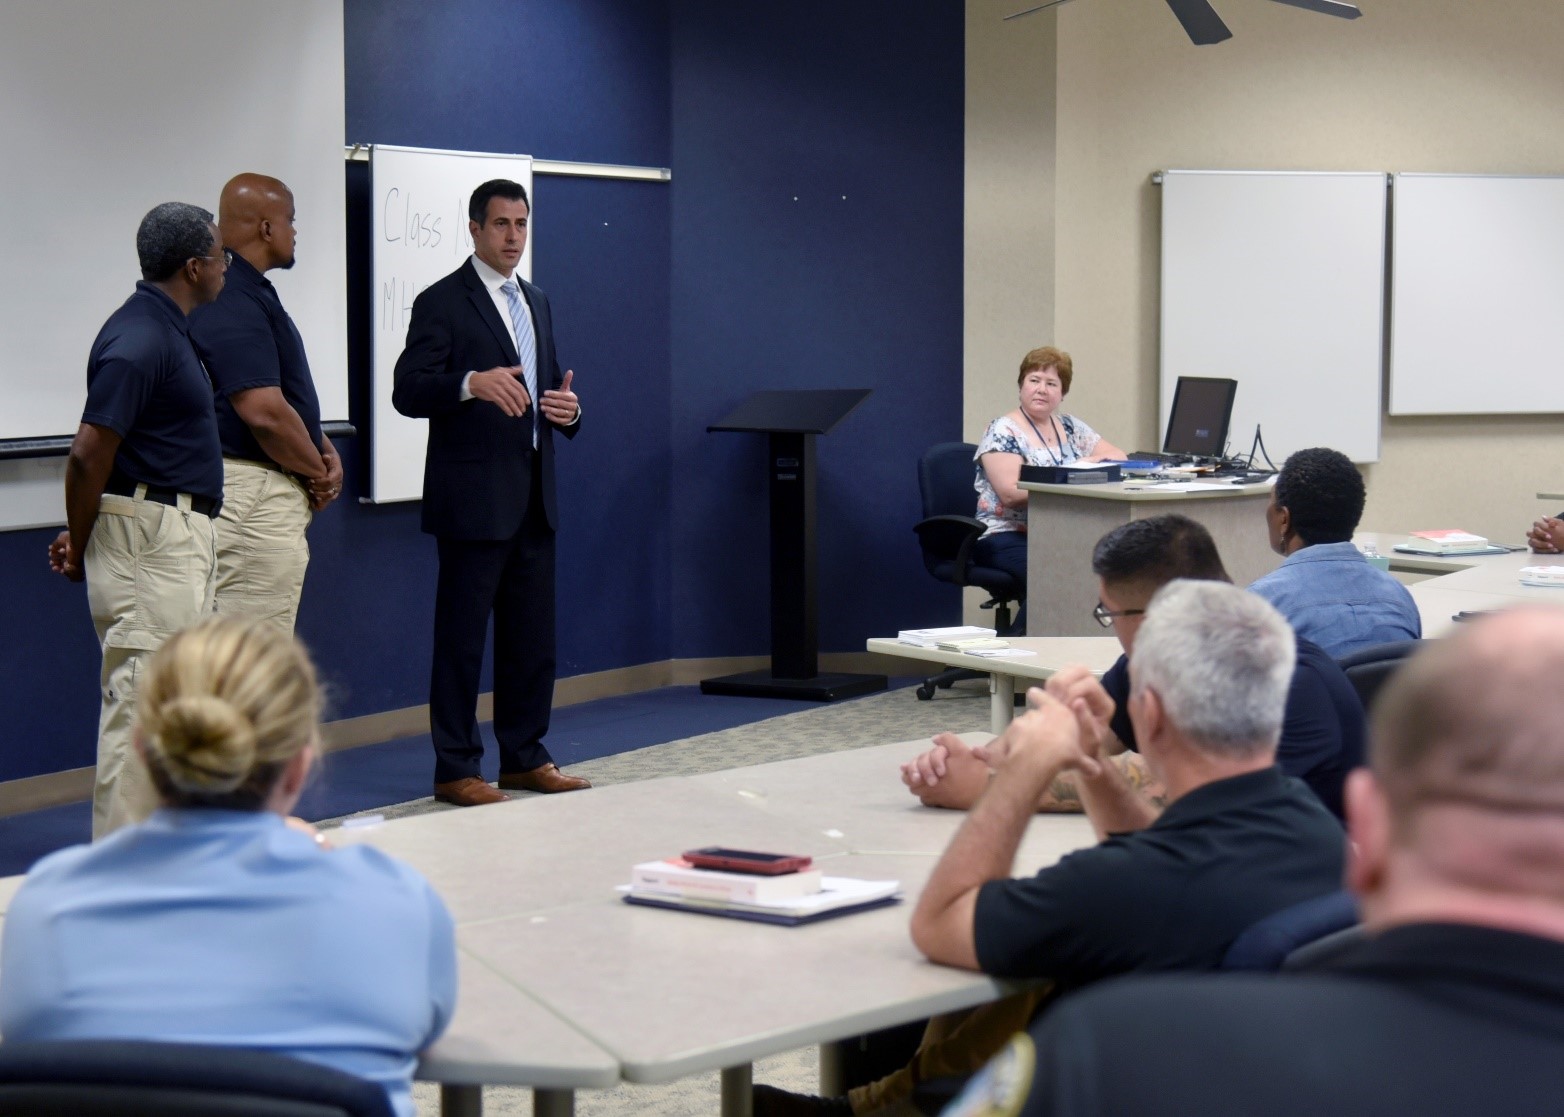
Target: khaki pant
[957, 1044]
[149, 574]
[261, 550]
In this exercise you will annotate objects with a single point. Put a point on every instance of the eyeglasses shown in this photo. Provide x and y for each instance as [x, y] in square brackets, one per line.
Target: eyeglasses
[226, 256]
[1105, 616]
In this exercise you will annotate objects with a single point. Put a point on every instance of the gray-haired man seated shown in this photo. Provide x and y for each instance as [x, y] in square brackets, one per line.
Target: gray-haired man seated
[1238, 840]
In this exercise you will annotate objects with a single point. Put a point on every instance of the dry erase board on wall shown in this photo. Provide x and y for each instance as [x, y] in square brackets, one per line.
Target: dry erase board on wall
[111, 108]
[420, 235]
[1477, 305]
[1276, 279]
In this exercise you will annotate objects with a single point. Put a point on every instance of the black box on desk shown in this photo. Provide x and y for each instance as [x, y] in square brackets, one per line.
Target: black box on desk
[1065, 475]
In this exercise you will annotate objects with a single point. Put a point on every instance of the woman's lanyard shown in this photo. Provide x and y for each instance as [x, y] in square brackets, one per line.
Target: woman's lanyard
[1053, 457]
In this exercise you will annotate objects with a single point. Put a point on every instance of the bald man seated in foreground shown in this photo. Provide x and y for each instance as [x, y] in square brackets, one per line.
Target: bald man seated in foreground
[1454, 1004]
[1238, 841]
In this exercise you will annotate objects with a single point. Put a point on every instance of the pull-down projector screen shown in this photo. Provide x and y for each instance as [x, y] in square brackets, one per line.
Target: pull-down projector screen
[112, 107]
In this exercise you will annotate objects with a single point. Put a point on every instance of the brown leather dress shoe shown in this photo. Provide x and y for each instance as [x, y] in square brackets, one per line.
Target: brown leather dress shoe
[547, 779]
[468, 792]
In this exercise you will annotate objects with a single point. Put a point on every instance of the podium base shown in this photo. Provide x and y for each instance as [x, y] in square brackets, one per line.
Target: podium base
[819, 688]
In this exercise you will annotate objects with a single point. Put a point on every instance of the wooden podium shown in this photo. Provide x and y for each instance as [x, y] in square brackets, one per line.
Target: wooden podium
[791, 420]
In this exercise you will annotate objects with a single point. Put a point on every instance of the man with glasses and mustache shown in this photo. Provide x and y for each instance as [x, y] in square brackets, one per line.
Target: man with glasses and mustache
[278, 467]
[143, 483]
[1322, 733]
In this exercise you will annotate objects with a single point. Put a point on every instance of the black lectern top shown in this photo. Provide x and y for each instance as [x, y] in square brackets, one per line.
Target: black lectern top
[810, 411]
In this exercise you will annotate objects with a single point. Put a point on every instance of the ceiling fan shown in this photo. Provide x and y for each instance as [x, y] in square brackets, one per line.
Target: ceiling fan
[1204, 26]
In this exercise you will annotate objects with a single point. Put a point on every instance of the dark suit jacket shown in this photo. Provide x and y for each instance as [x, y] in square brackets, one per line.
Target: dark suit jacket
[478, 468]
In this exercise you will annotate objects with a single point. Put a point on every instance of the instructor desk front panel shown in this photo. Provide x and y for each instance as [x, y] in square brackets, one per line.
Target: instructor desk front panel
[1064, 523]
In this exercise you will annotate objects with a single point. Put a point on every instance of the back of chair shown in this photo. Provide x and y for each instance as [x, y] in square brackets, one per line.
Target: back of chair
[945, 475]
[1369, 669]
[134, 1078]
[1269, 941]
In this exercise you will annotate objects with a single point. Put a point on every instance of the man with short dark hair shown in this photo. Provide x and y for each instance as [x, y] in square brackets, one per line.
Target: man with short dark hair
[1325, 588]
[143, 481]
[1454, 1001]
[278, 466]
[1238, 840]
[1322, 732]
[479, 364]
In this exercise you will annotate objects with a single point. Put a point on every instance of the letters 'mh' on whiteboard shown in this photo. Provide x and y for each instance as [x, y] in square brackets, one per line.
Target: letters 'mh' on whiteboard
[1277, 280]
[420, 235]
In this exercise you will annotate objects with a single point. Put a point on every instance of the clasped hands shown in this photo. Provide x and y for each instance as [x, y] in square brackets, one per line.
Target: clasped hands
[1546, 536]
[1064, 728]
[504, 387]
[323, 490]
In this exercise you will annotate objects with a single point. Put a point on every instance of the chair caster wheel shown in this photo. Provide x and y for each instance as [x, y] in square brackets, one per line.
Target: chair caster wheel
[925, 692]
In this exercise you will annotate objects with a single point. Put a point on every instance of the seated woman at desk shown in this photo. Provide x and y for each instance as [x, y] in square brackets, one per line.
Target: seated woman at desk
[1035, 433]
[219, 919]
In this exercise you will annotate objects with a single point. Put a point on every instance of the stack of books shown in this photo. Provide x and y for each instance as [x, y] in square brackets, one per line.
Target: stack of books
[789, 899]
[938, 637]
[1447, 541]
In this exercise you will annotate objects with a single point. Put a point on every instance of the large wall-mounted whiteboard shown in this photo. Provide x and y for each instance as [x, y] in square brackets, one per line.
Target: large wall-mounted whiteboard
[1276, 279]
[1477, 310]
[110, 108]
[419, 211]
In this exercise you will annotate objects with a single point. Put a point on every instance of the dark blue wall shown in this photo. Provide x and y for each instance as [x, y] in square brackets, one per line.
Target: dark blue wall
[672, 302]
[817, 211]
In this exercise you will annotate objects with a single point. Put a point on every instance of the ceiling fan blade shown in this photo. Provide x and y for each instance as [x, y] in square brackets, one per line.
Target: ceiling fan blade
[1035, 8]
[1326, 7]
[1201, 23]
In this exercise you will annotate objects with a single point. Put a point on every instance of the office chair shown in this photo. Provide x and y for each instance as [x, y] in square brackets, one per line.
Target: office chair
[946, 534]
[1269, 942]
[1369, 669]
[136, 1078]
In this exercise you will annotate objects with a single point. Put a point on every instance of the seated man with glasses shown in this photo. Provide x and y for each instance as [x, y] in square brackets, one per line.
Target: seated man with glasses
[1322, 733]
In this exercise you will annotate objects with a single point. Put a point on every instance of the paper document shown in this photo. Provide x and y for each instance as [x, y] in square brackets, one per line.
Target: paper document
[1000, 653]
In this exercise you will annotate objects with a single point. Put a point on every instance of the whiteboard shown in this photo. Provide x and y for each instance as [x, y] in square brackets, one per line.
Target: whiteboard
[1477, 310]
[419, 233]
[1276, 279]
[112, 107]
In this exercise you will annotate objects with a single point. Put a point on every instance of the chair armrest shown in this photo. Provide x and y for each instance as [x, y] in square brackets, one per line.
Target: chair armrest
[951, 537]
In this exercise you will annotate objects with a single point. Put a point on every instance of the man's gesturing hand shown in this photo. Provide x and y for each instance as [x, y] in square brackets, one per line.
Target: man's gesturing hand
[503, 387]
[560, 405]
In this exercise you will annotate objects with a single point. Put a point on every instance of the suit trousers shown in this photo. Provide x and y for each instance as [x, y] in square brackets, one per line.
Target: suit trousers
[149, 574]
[513, 580]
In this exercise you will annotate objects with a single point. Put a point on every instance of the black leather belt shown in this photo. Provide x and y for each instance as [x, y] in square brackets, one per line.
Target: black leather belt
[120, 485]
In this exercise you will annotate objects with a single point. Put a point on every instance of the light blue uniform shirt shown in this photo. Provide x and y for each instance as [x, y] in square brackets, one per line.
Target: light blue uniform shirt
[1332, 595]
[229, 927]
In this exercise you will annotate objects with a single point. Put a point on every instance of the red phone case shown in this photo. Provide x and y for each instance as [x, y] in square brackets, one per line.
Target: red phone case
[732, 864]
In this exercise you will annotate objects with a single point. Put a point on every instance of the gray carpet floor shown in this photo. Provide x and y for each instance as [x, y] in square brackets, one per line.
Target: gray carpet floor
[874, 720]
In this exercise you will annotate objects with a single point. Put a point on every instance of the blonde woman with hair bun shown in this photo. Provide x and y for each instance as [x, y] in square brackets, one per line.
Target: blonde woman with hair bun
[215, 920]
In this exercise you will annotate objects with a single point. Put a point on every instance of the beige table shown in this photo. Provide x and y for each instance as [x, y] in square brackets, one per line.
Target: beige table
[1065, 522]
[672, 993]
[1052, 655]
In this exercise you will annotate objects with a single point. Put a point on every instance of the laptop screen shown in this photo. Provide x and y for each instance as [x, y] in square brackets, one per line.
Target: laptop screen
[1202, 408]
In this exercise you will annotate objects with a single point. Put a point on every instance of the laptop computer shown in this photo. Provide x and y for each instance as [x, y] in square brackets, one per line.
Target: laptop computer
[1197, 424]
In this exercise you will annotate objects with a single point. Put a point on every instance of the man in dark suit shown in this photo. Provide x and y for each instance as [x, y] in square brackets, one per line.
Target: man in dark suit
[1452, 1002]
[479, 347]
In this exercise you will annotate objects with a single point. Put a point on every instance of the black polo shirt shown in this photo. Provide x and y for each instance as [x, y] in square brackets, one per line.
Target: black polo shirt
[1322, 729]
[146, 385]
[1170, 897]
[1429, 1019]
[249, 341]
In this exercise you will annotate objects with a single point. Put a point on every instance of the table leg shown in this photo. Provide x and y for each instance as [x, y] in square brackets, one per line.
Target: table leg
[737, 1093]
[833, 1062]
[461, 1101]
[1001, 701]
[553, 1103]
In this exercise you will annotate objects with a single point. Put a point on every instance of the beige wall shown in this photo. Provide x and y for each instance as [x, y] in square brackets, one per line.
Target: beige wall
[1415, 85]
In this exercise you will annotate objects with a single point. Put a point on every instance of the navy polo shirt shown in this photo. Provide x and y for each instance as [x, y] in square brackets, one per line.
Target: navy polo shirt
[249, 341]
[1173, 896]
[1322, 729]
[145, 383]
